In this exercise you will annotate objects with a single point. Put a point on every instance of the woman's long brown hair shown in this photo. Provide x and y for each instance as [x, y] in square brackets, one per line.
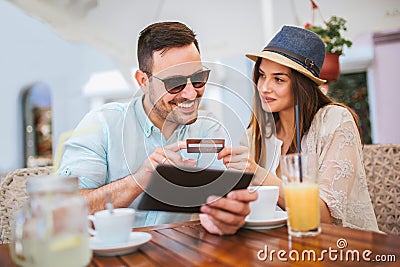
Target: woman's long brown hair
[309, 99]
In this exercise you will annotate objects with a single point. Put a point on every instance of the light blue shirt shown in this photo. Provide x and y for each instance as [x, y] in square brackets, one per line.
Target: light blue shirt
[113, 141]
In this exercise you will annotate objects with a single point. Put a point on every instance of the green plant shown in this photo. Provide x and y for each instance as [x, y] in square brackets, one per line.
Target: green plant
[331, 34]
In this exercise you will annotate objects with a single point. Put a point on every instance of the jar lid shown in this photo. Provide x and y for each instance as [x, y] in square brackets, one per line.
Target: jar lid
[48, 183]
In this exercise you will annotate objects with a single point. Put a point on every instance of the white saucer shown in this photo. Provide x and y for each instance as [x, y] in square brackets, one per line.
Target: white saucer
[279, 220]
[135, 240]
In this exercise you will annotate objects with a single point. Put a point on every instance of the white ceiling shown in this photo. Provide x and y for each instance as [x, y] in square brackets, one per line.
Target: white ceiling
[224, 27]
[113, 25]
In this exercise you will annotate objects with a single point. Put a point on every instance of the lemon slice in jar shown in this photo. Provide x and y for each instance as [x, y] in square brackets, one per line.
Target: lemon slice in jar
[65, 243]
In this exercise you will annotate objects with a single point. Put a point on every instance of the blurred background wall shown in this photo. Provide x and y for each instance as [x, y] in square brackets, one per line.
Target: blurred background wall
[67, 44]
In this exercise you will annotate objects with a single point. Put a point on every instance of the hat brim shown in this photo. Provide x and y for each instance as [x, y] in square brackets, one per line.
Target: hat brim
[281, 59]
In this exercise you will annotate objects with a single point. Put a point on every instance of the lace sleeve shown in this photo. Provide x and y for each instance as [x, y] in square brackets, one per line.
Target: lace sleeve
[342, 178]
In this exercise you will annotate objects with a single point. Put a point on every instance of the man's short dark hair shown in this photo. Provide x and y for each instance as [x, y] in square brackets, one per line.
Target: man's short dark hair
[159, 36]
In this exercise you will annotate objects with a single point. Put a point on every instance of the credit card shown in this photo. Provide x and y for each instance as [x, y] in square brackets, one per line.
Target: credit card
[206, 145]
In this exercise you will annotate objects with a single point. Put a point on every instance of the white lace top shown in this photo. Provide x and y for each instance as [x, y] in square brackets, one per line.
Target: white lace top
[333, 135]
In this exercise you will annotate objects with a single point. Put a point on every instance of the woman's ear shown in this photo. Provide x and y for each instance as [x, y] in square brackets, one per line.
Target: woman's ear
[141, 78]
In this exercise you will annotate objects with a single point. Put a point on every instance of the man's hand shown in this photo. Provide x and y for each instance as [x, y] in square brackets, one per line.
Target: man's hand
[227, 214]
[126, 190]
[162, 155]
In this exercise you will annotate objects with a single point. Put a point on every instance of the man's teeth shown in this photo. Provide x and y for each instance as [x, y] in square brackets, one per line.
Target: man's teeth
[185, 105]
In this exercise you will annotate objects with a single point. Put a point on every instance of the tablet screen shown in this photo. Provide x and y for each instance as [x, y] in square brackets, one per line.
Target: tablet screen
[184, 190]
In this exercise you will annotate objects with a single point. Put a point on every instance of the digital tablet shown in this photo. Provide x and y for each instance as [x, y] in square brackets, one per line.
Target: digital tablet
[185, 189]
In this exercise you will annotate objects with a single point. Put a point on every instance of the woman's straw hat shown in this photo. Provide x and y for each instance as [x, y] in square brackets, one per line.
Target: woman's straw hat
[296, 48]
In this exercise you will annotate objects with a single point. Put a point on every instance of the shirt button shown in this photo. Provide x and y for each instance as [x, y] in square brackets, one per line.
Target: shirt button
[66, 172]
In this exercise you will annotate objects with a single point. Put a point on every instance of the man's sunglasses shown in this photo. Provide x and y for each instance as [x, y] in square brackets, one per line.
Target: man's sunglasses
[175, 84]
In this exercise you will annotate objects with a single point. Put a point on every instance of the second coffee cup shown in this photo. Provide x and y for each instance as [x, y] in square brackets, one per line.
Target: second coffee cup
[112, 228]
[264, 207]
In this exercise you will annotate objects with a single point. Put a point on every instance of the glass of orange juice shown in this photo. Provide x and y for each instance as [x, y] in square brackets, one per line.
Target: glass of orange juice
[300, 184]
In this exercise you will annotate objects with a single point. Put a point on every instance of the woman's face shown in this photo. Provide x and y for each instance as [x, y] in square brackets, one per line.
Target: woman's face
[275, 87]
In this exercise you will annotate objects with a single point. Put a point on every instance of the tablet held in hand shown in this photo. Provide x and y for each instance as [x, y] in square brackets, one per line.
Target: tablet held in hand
[185, 189]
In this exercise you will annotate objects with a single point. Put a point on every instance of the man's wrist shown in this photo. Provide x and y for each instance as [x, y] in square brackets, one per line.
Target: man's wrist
[137, 181]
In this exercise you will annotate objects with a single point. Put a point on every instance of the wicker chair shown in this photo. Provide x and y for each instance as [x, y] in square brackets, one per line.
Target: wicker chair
[13, 194]
[382, 167]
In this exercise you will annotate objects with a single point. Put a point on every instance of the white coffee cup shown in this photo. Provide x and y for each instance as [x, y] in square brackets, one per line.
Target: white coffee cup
[112, 228]
[264, 207]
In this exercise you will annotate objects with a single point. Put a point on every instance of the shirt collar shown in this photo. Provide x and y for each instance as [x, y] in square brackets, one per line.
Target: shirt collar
[142, 117]
[145, 122]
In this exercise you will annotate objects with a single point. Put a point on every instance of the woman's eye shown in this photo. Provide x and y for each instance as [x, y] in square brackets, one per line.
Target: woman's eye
[261, 74]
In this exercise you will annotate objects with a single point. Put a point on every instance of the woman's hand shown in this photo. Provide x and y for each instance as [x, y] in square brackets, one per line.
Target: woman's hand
[238, 158]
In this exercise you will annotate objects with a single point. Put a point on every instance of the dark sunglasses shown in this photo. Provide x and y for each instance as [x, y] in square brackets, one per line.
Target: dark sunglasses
[175, 84]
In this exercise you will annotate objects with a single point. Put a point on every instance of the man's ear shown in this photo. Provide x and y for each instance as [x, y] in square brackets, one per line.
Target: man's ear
[141, 79]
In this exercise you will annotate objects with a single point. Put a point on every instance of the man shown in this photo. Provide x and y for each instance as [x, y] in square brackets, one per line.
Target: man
[117, 147]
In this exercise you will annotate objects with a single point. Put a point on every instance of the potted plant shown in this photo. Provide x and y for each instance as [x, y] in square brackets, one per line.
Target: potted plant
[331, 34]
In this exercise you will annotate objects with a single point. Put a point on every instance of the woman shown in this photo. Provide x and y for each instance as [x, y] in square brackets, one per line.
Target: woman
[286, 73]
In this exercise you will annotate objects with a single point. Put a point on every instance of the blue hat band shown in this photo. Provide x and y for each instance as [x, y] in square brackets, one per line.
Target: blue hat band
[304, 61]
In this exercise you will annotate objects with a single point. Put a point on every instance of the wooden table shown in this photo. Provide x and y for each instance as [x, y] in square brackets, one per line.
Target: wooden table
[188, 244]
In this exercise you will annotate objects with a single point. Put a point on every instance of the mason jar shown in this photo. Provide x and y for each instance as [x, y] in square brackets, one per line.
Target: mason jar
[51, 228]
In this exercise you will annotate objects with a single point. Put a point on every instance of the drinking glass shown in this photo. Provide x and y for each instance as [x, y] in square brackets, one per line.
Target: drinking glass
[51, 228]
[300, 184]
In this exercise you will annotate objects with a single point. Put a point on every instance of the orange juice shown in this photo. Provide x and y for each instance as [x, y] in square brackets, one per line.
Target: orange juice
[302, 205]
